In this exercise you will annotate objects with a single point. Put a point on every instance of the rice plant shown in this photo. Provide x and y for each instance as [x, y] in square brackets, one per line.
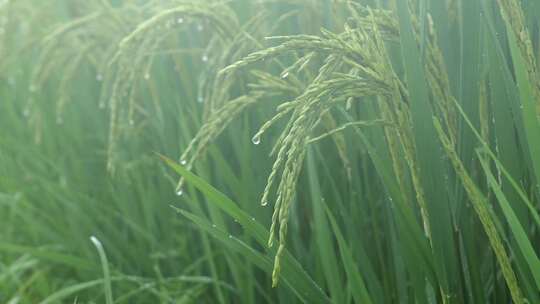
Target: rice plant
[274, 151]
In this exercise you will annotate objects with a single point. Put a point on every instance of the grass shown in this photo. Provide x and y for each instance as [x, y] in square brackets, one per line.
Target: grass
[369, 151]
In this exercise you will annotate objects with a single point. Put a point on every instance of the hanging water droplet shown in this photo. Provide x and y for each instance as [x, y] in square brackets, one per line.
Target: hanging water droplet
[264, 203]
[147, 76]
[99, 77]
[131, 122]
[230, 236]
[253, 219]
[101, 105]
[179, 192]
[213, 225]
[285, 75]
[200, 27]
[183, 162]
[256, 139]
[204, 58]
[200, 99]
[180, 20]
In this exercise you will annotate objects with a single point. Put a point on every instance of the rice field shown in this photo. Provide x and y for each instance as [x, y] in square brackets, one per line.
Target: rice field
[270, 151]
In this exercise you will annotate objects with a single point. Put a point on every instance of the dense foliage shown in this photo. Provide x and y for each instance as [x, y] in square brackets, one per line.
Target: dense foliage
[274, 151]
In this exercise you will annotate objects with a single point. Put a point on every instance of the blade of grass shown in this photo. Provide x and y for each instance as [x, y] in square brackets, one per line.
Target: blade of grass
[106, 273]
[354, 276]
[429, 156]
[528, 106]
[302, 280]
[515, 226]
[290, 276]
[322, 235]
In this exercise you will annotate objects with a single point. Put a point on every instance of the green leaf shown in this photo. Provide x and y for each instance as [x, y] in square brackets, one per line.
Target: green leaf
[303, 286]
[515, 227]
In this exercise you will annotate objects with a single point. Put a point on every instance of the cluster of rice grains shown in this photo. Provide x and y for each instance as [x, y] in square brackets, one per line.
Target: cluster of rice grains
[132, 59]
[336, 70]
[333, 71]
[119, 44]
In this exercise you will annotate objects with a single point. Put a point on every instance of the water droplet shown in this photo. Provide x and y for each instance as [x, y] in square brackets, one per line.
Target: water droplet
[200, 99]
[101, 105]
[183, 162]
[179, 192]
[32, 88]
[180, 20]
[99, 77]
[264, 203]
[26, 112]
[131, 122]
[147, 76]
[253, 219]
[204, 58]
[256, 139]
[213, 225]
[285, 75]
[59, 120]
[200, 27]
[230, 236]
